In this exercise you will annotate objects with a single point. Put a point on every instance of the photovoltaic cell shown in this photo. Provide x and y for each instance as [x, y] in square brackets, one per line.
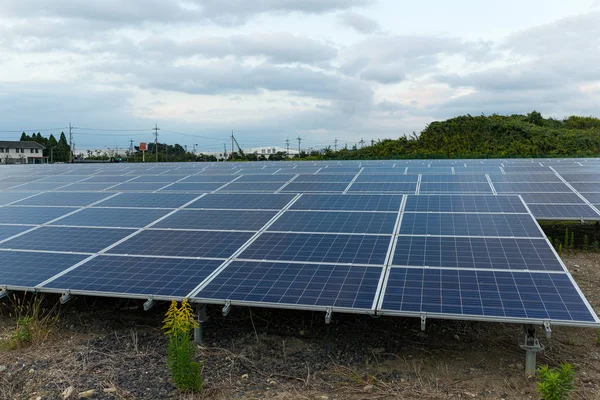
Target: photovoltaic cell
[149, 200]
[520, 225]
[453, 178]
[465, 203]
[265, 178]
[563, 211]
[74, 199]
[295, 284]
[26, 269]
[485, 294]
[351, 249]
[138, 186]
[364, 202]
[252, 187]
[455, 187]
[192, 187]
[11, 197]
[338, 222]
[531, 187]
[382, 187]
[324, 178]
[374, 178]
[112, 217]
[183, 243]
[552, 198]
[483, 253]
[217, 220]
[137, 275]
[300, 187]
[243, 201]
[7, 231]
[85, 240]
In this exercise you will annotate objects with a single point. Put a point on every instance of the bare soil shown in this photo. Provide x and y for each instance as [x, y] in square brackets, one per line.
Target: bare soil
[118, 350]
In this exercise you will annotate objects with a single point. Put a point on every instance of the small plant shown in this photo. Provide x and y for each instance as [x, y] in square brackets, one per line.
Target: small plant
[596, 246]
[598, 337]
[572, 241]
[566, 243]
[586, 243]
[555, 383]
[33, 322]
[178, 325]
[560, 248]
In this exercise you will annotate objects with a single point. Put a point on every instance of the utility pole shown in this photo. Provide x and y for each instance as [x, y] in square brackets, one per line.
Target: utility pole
[362, 141]
[335, 144]
[224, 151]
[130, 150]
[70, 143]
[156, 129]
[287, 145]
[166, 151]
[299, 140]
[232, 144]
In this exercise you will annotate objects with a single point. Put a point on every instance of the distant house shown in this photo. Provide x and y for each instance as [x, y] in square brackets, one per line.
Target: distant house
[21, 152]
[271, 150]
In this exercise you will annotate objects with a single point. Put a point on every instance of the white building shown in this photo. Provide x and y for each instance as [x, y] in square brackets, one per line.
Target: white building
[12, 152]
[268, 151]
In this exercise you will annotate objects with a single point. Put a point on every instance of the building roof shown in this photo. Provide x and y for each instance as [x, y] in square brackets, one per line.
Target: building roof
[8, 144]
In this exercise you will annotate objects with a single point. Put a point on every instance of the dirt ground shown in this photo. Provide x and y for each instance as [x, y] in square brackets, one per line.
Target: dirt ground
[117, 350]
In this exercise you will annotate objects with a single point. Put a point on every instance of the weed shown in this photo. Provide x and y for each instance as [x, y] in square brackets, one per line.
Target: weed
[596, 246]
[598, 337]
[572, 241]
[586, 243]
[178, 325]
[555, 383]
[33, 322]
[566, 244]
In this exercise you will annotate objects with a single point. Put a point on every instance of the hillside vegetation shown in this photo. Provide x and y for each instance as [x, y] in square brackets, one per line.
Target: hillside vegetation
[492, 136]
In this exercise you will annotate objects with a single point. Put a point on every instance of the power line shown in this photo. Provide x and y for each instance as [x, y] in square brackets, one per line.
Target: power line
[193, 135]
[35, 130]
[113, 130]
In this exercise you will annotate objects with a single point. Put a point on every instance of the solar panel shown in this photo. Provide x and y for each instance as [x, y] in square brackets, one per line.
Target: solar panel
[193, 187]
[454, 178]
[464, 203]
[157, 178]
[114, 179]
[138, 186]
[372, 178]
[7, 231]
[209, 178]
[325, 178]
[283, 178]
[503, 187]
[301, 187]
[75, 199]
[455, 187]
[492, 253]
[340, 222]
[529, 178]
[148, 276]
[592, 197]
[563, 211]
[175, 243]
[383, 187]
[85, 240]
[323, 285]
[31, 215]
[217, 219]
[586, 186]
[243, 201]
[112, 217]
[364, 202]
[149, 200]
[552, 198]
[11, 197]
[33, 267]
[252, 187]
[325, 248]
[490, 294]
[516, 225]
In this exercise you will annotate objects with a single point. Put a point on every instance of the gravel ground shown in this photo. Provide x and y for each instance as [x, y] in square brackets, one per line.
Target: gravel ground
[117, 350]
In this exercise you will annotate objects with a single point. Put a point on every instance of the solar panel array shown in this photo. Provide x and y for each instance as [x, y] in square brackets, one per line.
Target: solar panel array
[446, 238]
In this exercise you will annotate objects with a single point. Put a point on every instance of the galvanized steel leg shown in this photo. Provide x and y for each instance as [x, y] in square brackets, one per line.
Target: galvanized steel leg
[531, 346]
[201, 315]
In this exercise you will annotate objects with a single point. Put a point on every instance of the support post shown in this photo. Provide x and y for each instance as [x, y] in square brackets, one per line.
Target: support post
[201, 315]
[66, 296]
[531, 346]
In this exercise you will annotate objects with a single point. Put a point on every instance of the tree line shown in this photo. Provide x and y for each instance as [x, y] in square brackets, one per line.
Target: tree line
[58, 149]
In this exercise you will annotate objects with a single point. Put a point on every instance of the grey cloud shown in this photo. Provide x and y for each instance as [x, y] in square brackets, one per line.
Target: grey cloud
[359, 22]
[517, 78]
[385, 74]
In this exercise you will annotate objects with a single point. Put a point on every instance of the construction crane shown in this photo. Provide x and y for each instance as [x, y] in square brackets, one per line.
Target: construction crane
[241, 152]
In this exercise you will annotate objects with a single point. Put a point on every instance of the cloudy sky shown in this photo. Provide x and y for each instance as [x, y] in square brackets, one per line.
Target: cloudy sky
[276, 69]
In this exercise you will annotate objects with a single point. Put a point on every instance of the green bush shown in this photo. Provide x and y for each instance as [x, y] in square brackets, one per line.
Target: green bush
[555, 383]
[586, 243]
[596, 246]
[566, 244]
[178, 325]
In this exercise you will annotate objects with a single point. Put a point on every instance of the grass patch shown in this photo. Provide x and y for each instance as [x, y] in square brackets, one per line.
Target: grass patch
[33, 322]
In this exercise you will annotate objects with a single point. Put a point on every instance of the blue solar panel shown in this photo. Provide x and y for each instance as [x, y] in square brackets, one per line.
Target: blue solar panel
[193, 187]
[183, 243]
[365, 202]
[114, 179]
[223, 179]
[265, 178]
[31, 215]
[520, 225]
[300, 187]
[531, 187]
[485, 294]
[454, 178]
[571, 178]
[455, 187]
[243, 201]
[383, 187]
[7, 231]
[342, 222]
[530, 178]
[563, 211]
[526, 254]
[373, 178]
[157, 178]
[217, 219]
[11, 197]
[89, 187]
[38, 186]
[27, 269]
[355, 249]
[138, 186]
[112, 217]
[592, 197]
[586, 186]
[295, 284]
[466, 203]
[149, 200]
[85, 240]
[137, 275]
[64, 199]
[552, 198]
[325, 178]
[252, 187]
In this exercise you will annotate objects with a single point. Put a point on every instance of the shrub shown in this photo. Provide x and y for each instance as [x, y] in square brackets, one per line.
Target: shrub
[33, 322]
[586, 243]
[572, 241]
[555, 383]
[178, 325]
[596, 246]
[566, 244]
